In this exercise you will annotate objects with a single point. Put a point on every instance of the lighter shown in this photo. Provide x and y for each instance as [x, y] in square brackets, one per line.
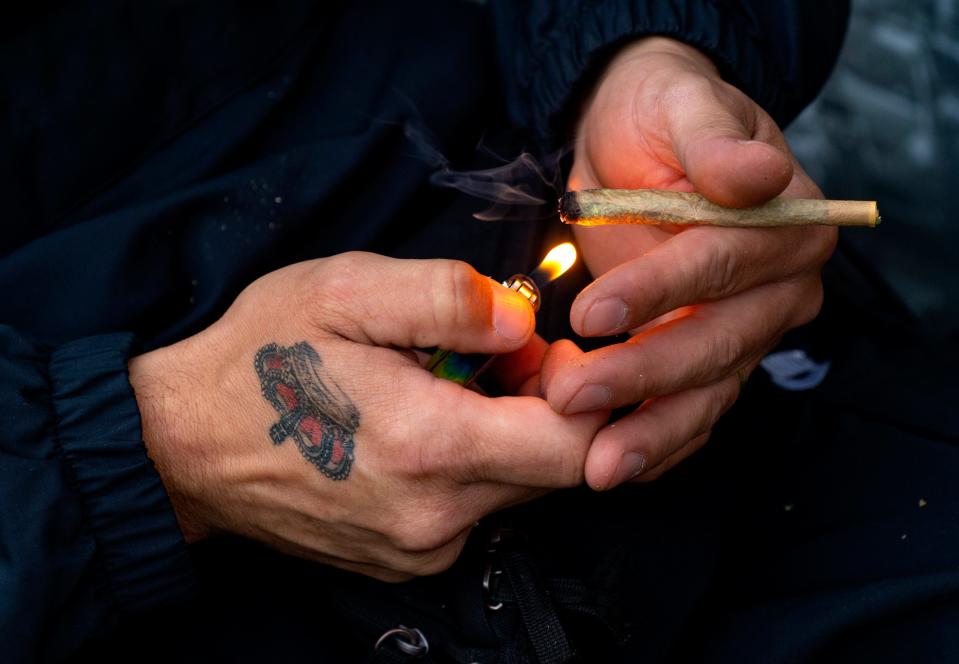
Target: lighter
[463, 368]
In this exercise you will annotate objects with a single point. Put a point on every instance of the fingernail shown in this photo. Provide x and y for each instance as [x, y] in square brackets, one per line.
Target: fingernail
[605, 316]
[631, 465]
[512, 314]
[588, 397]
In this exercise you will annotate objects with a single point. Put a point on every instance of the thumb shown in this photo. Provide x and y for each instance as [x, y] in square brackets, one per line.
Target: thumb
[720, 157]
[423, 303]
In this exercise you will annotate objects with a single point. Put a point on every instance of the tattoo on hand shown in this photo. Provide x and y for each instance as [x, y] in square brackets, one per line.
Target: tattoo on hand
[314, 411]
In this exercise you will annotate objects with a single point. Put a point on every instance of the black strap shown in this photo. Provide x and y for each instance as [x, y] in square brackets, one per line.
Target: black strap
[546, 633]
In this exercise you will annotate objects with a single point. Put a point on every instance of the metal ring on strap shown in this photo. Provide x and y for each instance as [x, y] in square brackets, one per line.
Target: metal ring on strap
[488, 574]
[409, 640]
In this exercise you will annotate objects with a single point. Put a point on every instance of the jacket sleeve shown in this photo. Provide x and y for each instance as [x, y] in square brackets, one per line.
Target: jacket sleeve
[779, 52]
[86, 529]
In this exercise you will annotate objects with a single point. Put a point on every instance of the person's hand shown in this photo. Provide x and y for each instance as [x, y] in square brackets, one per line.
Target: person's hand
[704, 304]
[295, 420]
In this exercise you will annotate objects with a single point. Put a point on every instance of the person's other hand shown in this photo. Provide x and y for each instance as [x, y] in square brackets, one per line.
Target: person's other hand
[298, 419]
[703, 304]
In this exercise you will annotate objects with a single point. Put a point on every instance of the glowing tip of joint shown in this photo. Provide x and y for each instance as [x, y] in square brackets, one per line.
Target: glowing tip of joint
[559, 259]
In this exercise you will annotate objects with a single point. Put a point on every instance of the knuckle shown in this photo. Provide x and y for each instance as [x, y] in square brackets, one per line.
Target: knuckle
[412, 442]
[811, 303]
[434, 458]
[722, 268]
[640, 384]
[268, 285]
[355, 262]
[715, 260]
[572, 469]
[423, 535]
[438, 560]
[643, 387]
[458, 287]
[444, 449]
[725, 348]
[464, 422]
[407, 537]
[655, 294]
[710, 267]
[826, 239]
[342, 268]
[728, 393]
[570, 466]
[686, 88]
[334, 285]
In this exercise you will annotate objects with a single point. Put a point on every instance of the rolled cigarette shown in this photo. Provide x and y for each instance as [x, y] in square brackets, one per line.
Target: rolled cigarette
[599, 207]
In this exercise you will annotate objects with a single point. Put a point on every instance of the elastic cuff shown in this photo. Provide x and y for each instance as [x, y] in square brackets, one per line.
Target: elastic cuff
[98, 429]
[559, 62]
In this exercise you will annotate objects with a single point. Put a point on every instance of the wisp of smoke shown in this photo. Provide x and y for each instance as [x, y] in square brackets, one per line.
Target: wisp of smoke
[522, 189]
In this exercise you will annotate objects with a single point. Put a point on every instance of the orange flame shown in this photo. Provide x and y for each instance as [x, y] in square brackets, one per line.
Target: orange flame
[559, 259]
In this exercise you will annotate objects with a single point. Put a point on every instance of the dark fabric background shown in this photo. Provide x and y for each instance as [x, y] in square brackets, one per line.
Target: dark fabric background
[157, 191]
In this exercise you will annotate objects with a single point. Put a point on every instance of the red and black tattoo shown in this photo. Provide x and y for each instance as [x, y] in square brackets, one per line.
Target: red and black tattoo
[315, 412]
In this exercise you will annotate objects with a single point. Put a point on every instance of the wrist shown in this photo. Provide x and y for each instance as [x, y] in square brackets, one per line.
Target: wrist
[662, 48]
[170, 431]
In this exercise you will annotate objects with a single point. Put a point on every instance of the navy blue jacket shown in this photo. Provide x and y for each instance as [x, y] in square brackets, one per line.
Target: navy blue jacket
[159, 156]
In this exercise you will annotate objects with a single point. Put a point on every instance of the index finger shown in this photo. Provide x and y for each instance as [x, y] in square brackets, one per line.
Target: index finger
[698, 265]
[512, 440]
